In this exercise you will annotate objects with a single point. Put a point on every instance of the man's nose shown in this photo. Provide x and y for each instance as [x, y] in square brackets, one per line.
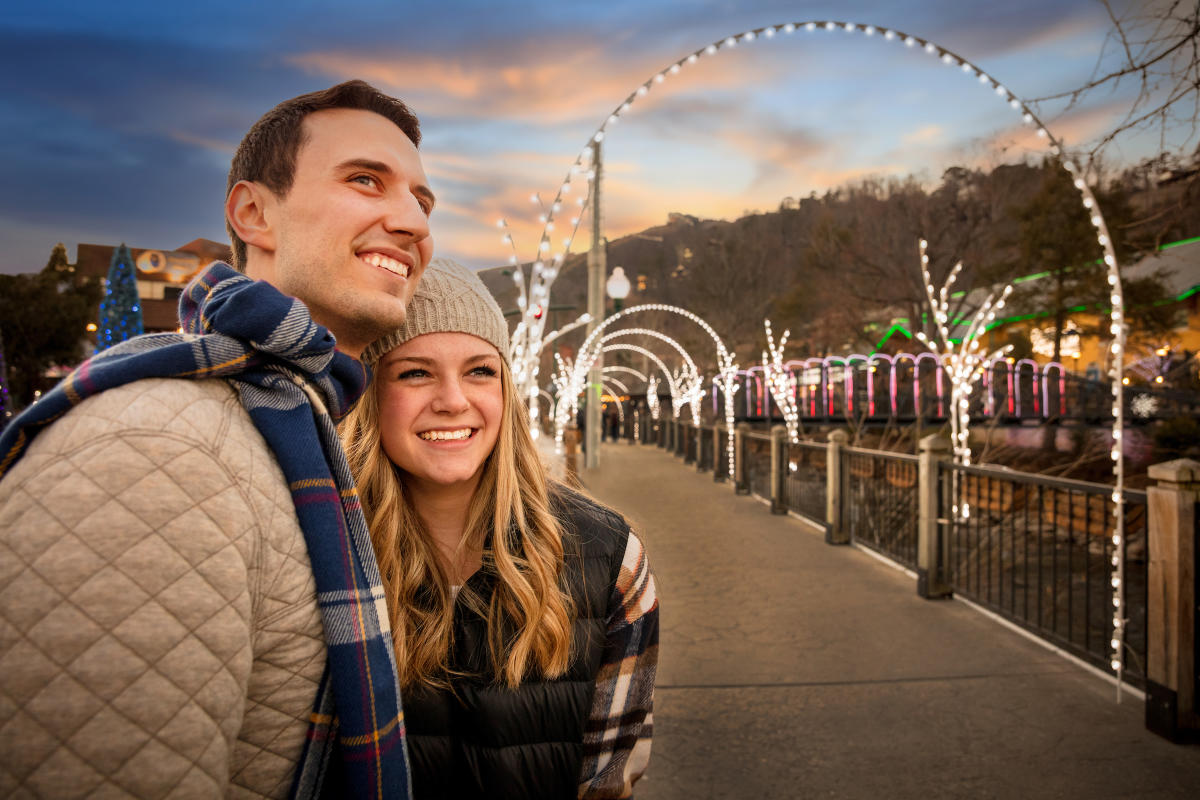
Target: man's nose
[406, 216]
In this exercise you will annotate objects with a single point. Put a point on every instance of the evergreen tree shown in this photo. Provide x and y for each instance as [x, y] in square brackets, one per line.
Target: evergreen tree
[121, 308]
[42, 321]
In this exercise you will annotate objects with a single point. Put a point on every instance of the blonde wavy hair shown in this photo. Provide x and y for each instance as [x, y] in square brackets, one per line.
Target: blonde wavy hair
[530, 613]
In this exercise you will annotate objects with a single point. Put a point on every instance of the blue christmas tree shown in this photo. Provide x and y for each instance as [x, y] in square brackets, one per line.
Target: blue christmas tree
[121, 309]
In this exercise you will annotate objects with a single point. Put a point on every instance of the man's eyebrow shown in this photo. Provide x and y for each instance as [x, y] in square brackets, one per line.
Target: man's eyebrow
[421, 190]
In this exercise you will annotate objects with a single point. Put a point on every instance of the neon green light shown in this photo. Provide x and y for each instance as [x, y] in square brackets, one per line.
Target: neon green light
[1193, 240]
[1041, 315]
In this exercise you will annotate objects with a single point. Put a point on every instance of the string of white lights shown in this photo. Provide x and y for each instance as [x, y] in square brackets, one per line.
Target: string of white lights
[571, 381]
[542, 275]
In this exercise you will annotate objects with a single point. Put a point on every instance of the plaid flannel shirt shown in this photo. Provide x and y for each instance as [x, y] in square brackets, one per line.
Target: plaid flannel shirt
[616, 740]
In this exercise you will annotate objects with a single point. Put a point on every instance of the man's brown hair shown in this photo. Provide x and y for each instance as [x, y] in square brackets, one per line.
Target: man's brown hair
[267, 154]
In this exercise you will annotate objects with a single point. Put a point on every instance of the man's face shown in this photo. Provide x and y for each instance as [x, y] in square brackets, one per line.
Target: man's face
[352, 234]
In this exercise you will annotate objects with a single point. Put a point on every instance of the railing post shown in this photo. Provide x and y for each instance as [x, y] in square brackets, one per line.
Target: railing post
[931, 573]
[740, 484]
[1172, 684]
[836, 531]
[779, 468]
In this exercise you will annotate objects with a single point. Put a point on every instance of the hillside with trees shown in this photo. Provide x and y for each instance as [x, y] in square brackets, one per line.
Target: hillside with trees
[836, 268]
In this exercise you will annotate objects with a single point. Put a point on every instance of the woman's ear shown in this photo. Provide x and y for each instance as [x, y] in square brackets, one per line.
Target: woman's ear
[249, 212]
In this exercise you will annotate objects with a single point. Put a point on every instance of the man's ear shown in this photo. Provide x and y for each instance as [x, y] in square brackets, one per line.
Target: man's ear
[248, 210]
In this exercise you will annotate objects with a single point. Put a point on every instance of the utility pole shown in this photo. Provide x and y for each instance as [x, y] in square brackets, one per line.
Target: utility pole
[597, 267]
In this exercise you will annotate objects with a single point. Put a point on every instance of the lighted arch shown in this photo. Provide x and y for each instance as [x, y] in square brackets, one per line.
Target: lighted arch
[542, 276]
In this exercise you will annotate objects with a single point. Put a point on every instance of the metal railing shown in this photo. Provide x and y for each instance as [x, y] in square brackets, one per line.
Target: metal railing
[704, 460]
[720, 460]
[1038, 551]
[756, 460]
[879, 496]
[804, 488]
[1034, 549]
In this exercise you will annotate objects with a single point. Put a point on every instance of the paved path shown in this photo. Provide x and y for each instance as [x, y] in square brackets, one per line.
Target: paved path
[790, 668]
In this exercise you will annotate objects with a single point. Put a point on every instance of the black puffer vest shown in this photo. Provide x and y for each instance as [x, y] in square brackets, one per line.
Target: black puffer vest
[488, 741]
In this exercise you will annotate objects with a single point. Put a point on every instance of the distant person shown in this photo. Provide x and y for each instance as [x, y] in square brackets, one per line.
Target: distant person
[192, 605]
[524, 614]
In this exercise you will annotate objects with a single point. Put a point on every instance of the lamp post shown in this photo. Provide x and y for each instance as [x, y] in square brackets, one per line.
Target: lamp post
[597, 267]
[618, 288]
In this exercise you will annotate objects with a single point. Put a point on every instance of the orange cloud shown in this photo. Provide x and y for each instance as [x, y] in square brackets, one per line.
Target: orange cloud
[550, 84]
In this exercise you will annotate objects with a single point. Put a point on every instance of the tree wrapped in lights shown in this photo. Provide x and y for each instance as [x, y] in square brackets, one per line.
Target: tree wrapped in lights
[652, 396]
[965, 364]
[121, 308]
[781, 382]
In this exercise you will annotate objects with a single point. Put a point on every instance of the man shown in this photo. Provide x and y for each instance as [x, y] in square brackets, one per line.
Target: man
[189, 604]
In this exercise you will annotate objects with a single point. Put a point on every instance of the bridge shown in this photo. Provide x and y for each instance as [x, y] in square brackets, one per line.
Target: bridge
[904, 387]
[790, 667]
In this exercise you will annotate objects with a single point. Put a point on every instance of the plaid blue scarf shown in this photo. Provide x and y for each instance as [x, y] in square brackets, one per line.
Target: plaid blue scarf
[294, 385]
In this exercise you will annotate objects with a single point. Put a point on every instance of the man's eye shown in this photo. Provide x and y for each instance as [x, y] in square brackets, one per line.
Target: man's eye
[366, 180]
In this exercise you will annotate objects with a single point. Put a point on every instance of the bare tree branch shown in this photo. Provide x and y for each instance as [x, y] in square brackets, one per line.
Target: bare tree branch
[1159, 48]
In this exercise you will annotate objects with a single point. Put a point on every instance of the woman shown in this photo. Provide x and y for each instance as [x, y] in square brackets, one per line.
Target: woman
[523, 614]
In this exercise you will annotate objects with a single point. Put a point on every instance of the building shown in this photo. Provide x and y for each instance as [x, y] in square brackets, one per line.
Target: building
[1178, 263]
[161, 275]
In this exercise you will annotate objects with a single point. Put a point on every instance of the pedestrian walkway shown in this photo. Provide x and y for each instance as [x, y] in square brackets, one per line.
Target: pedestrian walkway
[790, 668]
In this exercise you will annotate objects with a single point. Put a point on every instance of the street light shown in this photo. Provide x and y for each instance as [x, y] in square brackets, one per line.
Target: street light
[618, 287]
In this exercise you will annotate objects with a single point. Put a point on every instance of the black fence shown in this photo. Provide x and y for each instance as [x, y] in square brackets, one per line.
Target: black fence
[1034, 549]
[756, 464]
[704, 460]
[804, 488]
[1039, 552]
[879, 497]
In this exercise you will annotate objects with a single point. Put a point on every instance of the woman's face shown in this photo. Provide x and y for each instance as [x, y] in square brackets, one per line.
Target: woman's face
[440, 405]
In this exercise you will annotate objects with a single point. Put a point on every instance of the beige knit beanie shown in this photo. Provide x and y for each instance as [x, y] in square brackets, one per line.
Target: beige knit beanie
[449, 298]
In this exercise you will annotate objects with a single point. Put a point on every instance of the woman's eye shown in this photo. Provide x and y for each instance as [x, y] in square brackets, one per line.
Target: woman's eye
[484, 372]
[411, 373]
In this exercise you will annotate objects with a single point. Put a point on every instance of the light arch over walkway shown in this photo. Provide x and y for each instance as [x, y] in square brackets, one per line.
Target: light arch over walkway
[543, 274]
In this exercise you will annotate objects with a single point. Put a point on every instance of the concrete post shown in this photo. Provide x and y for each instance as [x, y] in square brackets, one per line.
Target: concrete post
[836, 531]
[1172, 672]
[931, 563]
[740, 484]
[779, 468]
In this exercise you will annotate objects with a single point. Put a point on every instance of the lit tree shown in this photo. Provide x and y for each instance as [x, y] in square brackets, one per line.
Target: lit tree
[121, 308]
[781, 382]
[965, 363]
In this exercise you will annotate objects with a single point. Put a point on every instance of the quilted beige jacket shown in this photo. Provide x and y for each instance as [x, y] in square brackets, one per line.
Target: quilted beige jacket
[159, 631]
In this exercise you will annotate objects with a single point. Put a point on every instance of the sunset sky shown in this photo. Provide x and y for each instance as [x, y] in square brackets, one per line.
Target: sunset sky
[118, 120]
